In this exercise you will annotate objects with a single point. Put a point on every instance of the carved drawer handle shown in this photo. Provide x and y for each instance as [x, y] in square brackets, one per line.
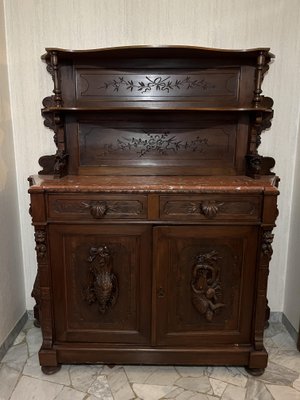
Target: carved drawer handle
[210, 208]
[97, 208]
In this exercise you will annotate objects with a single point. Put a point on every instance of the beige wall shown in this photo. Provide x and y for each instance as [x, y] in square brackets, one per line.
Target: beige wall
[35, 24]
[12, 296]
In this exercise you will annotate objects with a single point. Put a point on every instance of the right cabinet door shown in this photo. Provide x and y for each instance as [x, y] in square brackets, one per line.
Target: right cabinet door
[204, 284]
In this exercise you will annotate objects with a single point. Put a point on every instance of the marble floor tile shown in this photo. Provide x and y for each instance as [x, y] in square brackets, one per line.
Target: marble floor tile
[163, 376]
[273, 329]
[70, 394]
[151, 392]
[193, 372]
[283, 392]
[174, 393]
[139, 373]
[34, 340]
[229, 375]
[257, 390]
[234, 393]
[119, 385]
[200, 384]
[284, 341]
[286, 358]
[16, 356]
[35, 389]
[8, 380]
[20, 338]
[218, 387]
[83, 376]
[278, 375]
[100, 389]
[32, 368]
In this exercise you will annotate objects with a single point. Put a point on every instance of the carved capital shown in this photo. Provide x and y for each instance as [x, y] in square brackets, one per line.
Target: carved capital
[266, 246]
[206, 286]
[103, 284]
[40, 248]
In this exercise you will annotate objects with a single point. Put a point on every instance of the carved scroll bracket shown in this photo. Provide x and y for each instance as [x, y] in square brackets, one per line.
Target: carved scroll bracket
[103, 283]
[206, 285]
[261, 122]
[55, 164]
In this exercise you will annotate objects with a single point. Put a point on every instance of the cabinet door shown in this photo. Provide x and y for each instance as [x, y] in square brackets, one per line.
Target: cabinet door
[205, 278]
[101, 279]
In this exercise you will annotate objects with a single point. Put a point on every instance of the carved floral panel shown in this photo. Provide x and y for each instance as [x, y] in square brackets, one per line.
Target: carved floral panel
[96, 84]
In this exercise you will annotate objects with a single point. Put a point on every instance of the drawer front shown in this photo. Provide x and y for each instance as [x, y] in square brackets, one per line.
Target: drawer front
[97, 207]
[210, 207]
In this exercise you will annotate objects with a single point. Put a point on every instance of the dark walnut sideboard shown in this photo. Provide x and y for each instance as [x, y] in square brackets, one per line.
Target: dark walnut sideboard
[153, 220]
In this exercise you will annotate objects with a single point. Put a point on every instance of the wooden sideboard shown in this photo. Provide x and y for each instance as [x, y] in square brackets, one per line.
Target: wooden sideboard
[153, 220]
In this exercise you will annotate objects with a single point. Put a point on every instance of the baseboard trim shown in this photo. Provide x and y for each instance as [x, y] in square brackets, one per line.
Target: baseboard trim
[13, 334]
[289, 327]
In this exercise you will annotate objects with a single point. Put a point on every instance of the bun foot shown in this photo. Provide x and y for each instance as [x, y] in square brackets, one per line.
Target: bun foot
[255, 371]
[50, 370]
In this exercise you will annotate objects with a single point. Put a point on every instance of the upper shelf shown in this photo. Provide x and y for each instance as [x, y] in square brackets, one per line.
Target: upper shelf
[167, 77]
[162, 51]
[156, 107]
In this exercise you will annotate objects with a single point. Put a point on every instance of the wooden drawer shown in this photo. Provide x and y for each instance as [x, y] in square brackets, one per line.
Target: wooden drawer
[211, 207]
[94, 206]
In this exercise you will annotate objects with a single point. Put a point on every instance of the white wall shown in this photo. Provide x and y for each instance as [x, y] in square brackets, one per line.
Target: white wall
[292, 288]
[12, 295]
[35, 24]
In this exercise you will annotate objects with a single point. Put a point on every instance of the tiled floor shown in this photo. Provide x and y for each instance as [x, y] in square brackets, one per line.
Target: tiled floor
[22, 379]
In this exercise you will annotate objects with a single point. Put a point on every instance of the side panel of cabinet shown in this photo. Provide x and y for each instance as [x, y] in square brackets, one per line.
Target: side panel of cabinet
[205, 278]
[101, 283]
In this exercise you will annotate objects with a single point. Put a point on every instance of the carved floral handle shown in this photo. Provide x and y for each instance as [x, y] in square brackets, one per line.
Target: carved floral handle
[97, 208]
[210, 208]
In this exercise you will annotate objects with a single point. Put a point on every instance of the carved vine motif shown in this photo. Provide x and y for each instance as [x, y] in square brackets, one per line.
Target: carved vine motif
[103, 283]
[158, 83]
[161, 143]
[40, 248]
[267, 240]
[206, 285]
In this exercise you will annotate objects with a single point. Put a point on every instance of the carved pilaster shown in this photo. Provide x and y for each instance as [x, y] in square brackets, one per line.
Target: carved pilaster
[40, 248]
[263, 273]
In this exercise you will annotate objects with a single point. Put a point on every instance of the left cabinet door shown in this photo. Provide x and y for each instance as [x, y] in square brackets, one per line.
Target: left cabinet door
[101, 280]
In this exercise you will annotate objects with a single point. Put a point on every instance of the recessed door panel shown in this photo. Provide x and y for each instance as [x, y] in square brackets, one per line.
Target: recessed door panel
[101, 283]
[204, 284]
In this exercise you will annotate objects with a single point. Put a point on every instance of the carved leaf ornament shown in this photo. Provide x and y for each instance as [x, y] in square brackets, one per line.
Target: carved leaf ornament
[158, 83]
